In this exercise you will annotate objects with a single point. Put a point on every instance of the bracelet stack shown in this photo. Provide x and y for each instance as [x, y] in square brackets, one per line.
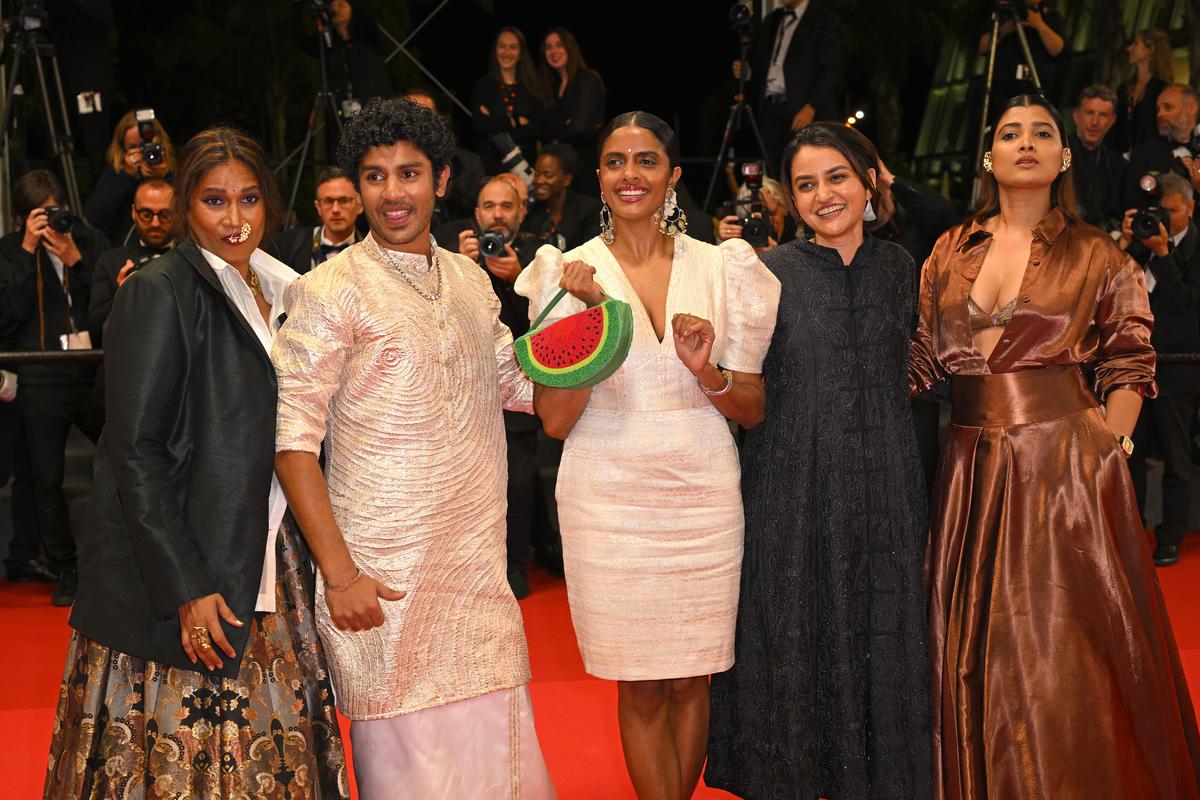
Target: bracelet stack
[724, 390]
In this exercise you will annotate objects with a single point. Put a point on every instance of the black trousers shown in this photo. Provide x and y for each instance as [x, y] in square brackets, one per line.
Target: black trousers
[1166, 421]
[47, 413]
[522, 491]
[14, 463]
[926, 419]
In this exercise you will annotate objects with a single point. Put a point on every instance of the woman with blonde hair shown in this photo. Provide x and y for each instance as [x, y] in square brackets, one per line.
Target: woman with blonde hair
[127, 166]
[1137, 98]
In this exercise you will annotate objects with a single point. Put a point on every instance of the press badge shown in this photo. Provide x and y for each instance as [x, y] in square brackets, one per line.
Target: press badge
[80, 340]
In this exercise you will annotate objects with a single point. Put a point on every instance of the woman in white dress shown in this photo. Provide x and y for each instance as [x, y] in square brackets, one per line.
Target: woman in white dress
[649, 488]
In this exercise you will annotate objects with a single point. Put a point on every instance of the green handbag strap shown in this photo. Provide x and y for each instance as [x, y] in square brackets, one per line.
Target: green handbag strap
[550, 307]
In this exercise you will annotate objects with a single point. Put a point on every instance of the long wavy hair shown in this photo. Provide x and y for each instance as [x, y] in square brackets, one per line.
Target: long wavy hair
[575, 60]
[1062, 191]
[1160, 55]
[527, 74]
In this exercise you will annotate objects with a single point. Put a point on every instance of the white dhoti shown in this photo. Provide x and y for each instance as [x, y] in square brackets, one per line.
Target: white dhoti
[484, 748]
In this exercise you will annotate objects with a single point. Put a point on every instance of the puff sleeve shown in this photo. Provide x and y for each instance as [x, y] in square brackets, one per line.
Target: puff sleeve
[309, 354]
[538, 283]
[752, 301]
[1123, 320]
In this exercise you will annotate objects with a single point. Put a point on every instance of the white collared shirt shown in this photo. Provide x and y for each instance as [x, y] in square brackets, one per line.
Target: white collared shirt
[351, 239]
[274, 277]
[783, 40]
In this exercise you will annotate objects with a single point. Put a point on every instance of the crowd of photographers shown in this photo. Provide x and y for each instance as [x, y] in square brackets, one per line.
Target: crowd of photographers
[528, 186]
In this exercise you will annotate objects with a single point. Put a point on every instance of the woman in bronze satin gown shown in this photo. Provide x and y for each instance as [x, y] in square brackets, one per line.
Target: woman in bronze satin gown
[1055, 672]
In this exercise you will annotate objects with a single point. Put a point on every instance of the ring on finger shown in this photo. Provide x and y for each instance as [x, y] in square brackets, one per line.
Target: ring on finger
[200, 637]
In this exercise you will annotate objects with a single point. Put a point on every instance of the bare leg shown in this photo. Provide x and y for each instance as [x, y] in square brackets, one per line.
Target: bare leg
[643, 712]
[689, 727]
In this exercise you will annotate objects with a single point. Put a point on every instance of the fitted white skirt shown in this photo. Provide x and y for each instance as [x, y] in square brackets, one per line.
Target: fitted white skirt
[650, 509]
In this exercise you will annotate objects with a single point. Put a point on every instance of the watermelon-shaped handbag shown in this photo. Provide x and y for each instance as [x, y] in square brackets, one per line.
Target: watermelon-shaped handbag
[577, 351]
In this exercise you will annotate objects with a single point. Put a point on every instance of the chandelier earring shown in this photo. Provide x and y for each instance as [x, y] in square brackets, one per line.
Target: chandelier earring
[987, 161]
[868, 214]
[606, 225]
[672, 221]
[1066, 159]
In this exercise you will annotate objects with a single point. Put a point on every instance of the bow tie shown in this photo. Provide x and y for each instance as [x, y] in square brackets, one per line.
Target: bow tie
[326, 250]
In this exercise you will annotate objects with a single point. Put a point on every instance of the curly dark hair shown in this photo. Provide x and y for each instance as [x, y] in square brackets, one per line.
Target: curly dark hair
[385, 121]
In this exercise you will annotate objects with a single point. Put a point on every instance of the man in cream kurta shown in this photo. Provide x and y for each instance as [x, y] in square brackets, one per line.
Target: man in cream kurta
[396, 359]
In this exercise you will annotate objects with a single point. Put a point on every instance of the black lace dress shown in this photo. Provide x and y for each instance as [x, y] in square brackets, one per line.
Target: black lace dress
[829, 694]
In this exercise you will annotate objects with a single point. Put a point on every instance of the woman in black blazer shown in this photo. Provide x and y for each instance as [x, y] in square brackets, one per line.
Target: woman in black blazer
[195, 664]
[509, 99]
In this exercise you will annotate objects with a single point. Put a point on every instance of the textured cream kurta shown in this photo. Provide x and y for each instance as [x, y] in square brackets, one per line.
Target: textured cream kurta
[407, 395]
[649, 497]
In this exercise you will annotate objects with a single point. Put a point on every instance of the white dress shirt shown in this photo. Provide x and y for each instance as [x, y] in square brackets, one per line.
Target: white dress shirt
[783, 40]
[274, 277]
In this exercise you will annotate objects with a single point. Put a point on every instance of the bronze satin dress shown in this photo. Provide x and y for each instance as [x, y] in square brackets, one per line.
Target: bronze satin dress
[1055, 672]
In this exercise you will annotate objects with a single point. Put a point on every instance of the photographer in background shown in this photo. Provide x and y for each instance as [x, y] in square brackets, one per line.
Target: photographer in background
[1098, 169]
[140, 149]
[558, 215]
[495, 241]
[46, 269]
[759, 200]
[1175, 149]
[1166, 242]
[1045, 31]
[152, 218]
[338, 205]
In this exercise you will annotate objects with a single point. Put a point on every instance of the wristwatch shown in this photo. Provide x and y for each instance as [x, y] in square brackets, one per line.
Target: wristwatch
[1126, 445]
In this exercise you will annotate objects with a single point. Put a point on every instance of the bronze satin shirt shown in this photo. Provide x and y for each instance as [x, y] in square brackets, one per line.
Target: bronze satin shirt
[1082, 302]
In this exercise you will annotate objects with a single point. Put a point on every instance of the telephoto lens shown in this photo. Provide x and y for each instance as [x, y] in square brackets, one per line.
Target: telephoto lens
[491, 244]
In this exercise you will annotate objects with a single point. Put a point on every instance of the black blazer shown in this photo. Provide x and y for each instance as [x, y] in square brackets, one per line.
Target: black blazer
[183, 468]
[812, 67]
[1175, 303]
[580, 220]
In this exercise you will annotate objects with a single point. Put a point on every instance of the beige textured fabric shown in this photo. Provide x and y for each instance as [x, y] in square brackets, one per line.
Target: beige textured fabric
[407, 394]
[649, 501]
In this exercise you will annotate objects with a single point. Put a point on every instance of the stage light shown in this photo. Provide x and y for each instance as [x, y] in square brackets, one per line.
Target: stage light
[858, 114]
[850, 120]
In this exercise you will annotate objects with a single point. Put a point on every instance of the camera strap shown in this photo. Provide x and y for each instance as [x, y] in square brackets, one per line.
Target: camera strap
[41, 298]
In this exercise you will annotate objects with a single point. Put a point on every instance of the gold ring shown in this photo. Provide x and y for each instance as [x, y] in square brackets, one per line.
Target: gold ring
[199, 637]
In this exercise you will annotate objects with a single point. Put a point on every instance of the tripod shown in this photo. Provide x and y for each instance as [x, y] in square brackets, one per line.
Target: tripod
[740, 107]
[315, 114]
[1002, 9]
[28, 45]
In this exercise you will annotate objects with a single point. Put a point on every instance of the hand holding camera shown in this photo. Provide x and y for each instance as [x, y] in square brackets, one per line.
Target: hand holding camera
[490, 249]
[50, 227]
[1147, 227]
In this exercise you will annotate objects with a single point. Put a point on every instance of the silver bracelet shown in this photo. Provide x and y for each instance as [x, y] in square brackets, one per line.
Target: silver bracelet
[724, 390]
[341, 587]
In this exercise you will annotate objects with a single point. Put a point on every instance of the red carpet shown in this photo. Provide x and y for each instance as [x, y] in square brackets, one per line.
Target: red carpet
[576, 714]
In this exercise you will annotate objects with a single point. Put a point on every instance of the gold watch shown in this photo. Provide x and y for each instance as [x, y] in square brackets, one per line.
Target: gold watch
[1126, 445]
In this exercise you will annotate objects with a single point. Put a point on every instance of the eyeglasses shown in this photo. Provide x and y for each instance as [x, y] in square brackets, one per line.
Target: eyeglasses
[147, 214]
[330, 202]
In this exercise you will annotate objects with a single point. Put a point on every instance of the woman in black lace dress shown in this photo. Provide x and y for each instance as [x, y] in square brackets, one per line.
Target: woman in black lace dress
[829, 694]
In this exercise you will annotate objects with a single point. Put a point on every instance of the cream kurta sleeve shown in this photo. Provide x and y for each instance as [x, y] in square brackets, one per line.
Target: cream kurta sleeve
[309, 353]
[752, 298]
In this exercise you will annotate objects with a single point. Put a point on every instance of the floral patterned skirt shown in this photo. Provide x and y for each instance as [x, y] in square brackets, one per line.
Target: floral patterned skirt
[140, 730]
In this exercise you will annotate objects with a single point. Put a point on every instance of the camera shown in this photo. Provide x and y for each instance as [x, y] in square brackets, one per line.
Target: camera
[1012, 8]
[1144, 224]
[741, 17]
[511, 158]
[152, 151]
[491, 244]
[755, 230]
[59, 218]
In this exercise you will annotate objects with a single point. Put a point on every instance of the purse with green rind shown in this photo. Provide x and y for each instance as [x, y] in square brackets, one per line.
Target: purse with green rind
[577, 351]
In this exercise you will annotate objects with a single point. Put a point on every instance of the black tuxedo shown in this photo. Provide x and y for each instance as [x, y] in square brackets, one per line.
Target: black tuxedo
[182, 481]
[812, 72]
[1156, 155]
[580, 221]
[300, 248]
[1167, 419]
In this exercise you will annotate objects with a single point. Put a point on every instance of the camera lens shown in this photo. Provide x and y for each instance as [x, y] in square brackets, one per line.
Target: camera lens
[754, 231]
[152, 153]
[491, 244]
[59, 219]
[1145, 223]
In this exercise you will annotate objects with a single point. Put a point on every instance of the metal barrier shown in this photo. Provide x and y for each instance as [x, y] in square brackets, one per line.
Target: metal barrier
[11, 359]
